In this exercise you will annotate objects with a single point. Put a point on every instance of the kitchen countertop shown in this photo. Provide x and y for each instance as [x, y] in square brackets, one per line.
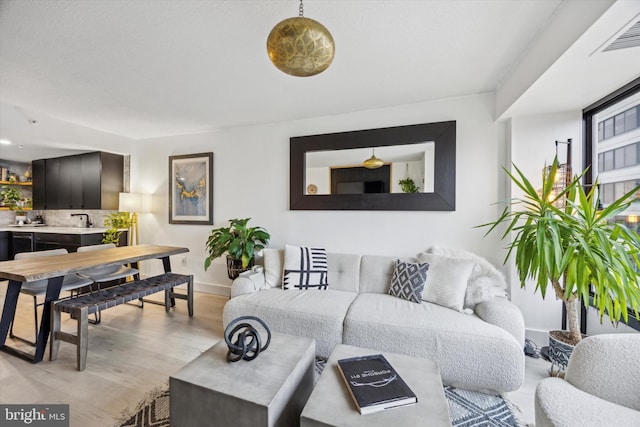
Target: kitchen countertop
[50, 229]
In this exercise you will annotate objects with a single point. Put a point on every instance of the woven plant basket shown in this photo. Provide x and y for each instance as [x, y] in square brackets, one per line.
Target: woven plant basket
[234, 267]
[559, 352]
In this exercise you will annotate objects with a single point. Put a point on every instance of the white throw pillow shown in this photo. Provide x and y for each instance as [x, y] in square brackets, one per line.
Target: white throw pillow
[446, 281]
[305, 268]
[485, 283]
[273, 260]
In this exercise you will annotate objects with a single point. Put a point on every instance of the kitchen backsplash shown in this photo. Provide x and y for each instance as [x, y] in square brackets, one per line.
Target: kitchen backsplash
[59, 218]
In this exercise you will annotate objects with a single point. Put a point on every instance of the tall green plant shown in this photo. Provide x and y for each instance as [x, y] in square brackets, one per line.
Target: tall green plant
[577, 248]
[238, 240]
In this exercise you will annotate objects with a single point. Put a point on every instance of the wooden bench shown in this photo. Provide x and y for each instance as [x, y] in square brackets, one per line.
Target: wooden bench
[82, 306]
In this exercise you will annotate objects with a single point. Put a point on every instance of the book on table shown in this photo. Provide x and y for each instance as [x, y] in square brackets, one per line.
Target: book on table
[374, 384]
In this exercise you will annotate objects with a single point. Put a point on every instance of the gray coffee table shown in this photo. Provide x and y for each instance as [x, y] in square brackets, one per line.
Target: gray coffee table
[268, 391]
[330, 404]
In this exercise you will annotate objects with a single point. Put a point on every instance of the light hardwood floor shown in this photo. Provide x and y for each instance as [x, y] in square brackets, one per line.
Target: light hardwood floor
[134, 351]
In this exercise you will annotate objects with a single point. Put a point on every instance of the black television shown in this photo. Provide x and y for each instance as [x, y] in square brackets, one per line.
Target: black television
[360, 187]
[360, 180]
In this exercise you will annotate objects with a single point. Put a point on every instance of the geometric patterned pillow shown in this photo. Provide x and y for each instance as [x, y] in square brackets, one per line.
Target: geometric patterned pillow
[408, 280]
[304, 268]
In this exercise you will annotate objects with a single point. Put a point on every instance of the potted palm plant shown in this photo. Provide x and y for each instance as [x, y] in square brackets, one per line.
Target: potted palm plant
[240, 242]
[565, 240]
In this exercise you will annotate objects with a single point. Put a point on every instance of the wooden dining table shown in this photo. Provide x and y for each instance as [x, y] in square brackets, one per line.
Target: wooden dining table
[54, 268]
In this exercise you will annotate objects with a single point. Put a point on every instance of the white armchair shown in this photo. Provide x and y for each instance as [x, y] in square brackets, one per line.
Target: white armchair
[601, 385]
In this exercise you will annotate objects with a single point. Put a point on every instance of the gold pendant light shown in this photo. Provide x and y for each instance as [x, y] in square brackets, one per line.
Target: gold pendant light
[373, 162]
[300, 46]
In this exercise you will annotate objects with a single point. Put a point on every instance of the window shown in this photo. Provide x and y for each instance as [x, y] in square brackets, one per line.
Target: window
[630, 157]
[619, 124]
[613, 156]
[631, 119]
[612, 152]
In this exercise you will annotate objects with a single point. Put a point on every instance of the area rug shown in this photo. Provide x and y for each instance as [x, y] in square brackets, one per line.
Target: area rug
[152, 411]
[467, 409]
[470, 408]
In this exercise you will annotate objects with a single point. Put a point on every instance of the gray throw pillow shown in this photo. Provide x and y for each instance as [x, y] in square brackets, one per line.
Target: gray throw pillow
[408, 280]
[305, 268]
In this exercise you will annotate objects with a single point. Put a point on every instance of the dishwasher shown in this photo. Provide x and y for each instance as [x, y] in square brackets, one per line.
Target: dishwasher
[22, 241]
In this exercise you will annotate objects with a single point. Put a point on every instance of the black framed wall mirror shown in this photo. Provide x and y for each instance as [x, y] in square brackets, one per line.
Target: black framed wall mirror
[328, 172]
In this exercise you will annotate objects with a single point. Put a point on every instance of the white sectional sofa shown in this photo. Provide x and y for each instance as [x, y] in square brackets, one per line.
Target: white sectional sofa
[477, 349]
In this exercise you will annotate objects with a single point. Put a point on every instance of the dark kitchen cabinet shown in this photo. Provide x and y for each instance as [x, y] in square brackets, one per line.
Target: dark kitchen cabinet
[57, 184]
[22, 242]
[83, 181]
[38, 176]
[5, 245]
[70, 242]
[26, 241]
[93, 189]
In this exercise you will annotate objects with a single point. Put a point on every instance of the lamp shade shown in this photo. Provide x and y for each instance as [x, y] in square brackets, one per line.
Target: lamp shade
[135, 202]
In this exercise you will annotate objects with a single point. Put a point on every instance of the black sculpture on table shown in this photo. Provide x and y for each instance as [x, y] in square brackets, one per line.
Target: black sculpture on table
[247, 344]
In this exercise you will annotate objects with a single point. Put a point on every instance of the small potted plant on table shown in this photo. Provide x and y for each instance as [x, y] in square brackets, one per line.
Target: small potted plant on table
[240, 242]
[116, 223]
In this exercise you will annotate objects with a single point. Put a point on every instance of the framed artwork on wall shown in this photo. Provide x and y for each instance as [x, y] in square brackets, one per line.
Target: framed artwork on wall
[191, 189]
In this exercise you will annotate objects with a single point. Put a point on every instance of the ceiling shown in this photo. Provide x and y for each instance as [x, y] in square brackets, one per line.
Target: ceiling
[145, 68]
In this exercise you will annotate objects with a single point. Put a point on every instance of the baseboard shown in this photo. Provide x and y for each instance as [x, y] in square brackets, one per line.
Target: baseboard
[211, 288]
[207, 288]
[539, 337]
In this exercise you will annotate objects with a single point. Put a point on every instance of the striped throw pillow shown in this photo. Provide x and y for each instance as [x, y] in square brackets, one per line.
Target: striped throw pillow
[304, 268]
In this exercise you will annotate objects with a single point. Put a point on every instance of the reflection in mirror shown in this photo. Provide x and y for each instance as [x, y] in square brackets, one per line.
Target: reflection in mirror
[407, 168]
[327, 172]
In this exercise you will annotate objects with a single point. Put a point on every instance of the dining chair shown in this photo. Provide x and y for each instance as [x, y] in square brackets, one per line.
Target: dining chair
[38, 288]
[104, 274]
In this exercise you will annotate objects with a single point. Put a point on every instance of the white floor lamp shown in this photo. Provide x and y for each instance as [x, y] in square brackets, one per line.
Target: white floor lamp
[134, 203]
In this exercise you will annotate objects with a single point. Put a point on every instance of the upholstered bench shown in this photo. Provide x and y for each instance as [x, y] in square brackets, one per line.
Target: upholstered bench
[80, 307]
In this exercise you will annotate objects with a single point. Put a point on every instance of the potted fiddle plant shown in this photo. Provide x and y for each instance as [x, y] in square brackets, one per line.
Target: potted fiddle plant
[240, 242]
[566, 241]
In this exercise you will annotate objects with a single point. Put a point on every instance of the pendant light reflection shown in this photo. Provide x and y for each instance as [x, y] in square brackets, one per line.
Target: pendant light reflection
[561, 179]
[300, 46]
[373, 162]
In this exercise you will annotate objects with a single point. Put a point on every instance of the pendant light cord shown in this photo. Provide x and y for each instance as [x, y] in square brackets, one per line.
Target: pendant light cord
[301, 9]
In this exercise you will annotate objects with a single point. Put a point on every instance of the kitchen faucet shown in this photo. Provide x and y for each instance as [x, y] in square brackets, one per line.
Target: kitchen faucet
[87, 223]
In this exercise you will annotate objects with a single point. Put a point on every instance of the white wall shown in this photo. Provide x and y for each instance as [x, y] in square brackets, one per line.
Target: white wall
[532, 147]
[320, 177]
[251, 179]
